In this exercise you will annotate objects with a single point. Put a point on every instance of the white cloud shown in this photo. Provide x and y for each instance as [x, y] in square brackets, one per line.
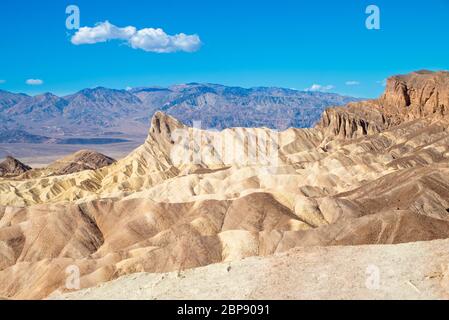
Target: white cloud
[319, 87]
[34, 82]
[383, 82]
[148, 39]
[102, 32]
[352, 83]
[156, 40]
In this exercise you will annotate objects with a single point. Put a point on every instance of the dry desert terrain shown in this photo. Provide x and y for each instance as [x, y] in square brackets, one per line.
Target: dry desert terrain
[247, 212]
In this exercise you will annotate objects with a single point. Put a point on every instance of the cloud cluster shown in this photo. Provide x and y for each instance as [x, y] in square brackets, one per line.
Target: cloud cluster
[148, 39]
[319, 87]
[102, 32]
[34, 82]
[352, 83]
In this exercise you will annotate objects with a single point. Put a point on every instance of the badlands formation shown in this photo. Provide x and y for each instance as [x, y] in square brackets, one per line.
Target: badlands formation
[371, 173]
[12, 167]
[79, 161]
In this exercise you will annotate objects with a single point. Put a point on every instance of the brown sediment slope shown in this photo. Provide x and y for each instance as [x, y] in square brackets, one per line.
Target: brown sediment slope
[80, 161]
[77, 162]
[12, 167]
[374, 172]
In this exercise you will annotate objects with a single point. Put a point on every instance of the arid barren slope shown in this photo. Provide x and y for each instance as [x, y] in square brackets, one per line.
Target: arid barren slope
[406, 271]
[374, 172]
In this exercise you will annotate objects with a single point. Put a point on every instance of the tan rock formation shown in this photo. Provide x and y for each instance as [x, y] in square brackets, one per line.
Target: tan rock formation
[421, 94]
[80, 161]
[12, 167]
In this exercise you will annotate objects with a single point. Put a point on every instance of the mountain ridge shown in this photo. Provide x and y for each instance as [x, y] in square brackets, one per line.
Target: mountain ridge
[91, 111]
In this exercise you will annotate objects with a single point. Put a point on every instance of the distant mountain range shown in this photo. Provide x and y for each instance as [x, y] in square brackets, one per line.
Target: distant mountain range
[103, 115]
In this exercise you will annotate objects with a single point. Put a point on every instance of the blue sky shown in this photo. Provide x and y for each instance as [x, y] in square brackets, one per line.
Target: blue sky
[292, 44]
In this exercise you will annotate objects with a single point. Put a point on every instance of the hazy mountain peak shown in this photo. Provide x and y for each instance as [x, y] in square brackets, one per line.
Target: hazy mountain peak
[94, 110]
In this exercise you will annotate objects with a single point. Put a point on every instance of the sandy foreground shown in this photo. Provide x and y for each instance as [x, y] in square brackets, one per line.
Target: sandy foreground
[405, 271]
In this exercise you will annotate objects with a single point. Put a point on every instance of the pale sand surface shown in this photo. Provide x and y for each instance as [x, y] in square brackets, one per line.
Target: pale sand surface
[406, 271]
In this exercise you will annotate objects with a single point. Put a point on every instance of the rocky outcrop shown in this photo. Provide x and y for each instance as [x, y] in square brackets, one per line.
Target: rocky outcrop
[77, 162]
[421, 94]
[356, 120]
[80, 161]
[12, 167]
[163, 129]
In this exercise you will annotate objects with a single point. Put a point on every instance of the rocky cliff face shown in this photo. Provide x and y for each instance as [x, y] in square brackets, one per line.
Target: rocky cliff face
[421, 94]
[356, 120]
[418, 94]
